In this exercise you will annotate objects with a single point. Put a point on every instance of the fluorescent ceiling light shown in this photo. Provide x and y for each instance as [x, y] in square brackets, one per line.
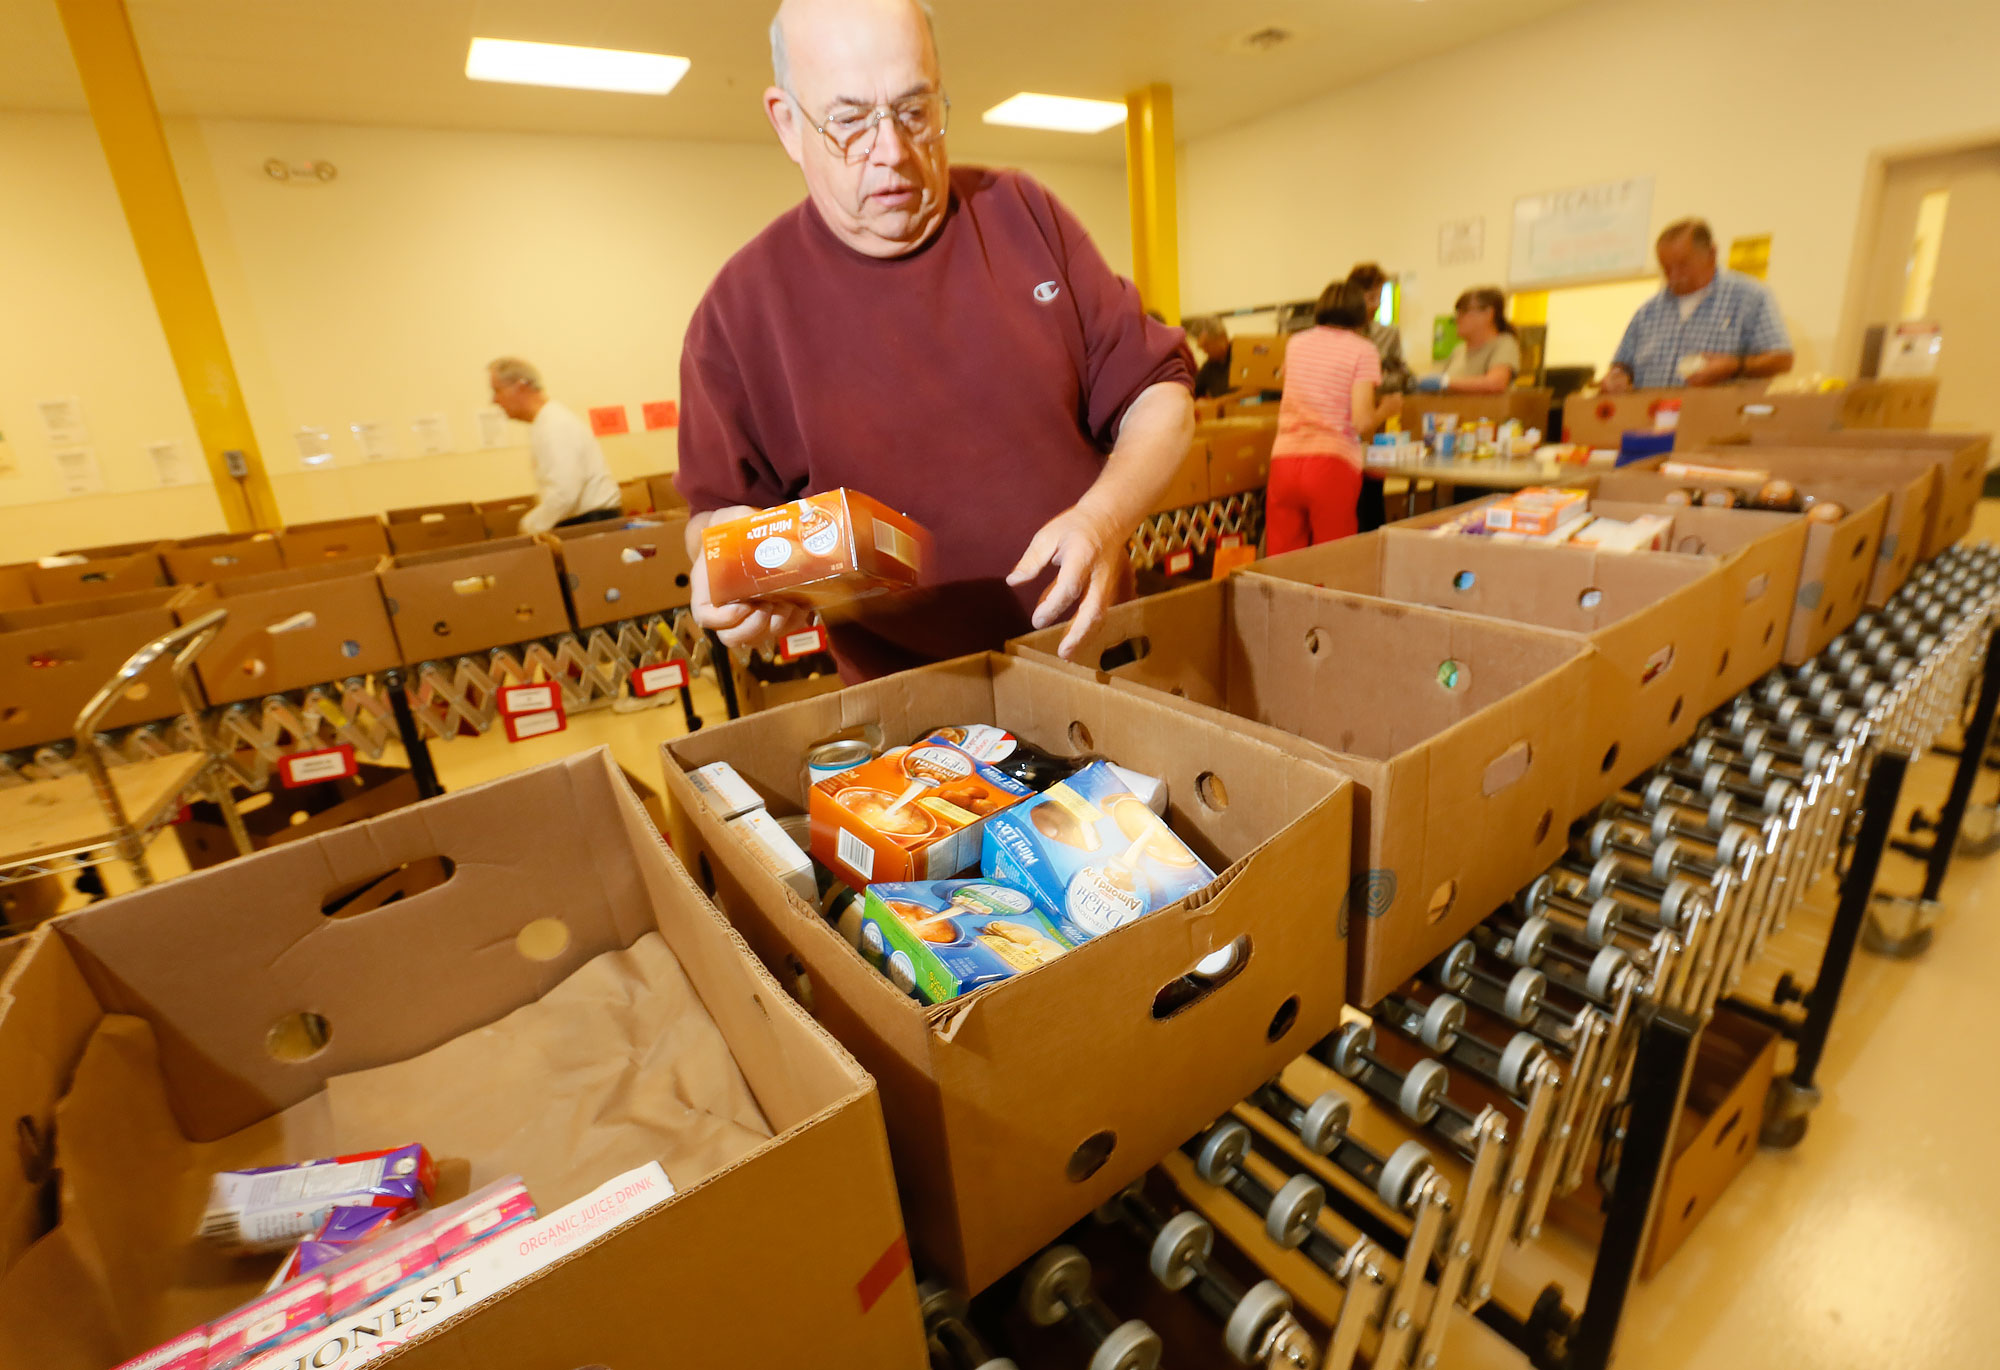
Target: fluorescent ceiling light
[556, 64]
[1063, 113]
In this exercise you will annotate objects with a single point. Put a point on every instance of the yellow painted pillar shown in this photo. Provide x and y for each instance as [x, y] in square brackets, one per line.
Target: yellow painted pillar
[1149, 185]
[135, 145]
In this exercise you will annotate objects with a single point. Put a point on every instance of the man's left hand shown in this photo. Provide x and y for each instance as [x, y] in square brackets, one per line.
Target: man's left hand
[1716, 369]
[1089, 548]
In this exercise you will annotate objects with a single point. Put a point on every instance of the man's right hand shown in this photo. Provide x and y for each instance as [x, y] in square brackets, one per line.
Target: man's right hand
[745, 623]
[1617, 381]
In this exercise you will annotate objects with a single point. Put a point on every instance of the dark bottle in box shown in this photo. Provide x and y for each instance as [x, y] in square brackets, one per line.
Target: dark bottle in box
[1019, 761]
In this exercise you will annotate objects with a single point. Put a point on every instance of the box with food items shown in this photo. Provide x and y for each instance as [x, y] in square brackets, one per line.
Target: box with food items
[1960, 459]
[817, 551]
[1187, 932]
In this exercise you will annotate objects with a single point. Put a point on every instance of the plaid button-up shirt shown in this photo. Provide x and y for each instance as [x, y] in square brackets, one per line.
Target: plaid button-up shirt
[1736, 318]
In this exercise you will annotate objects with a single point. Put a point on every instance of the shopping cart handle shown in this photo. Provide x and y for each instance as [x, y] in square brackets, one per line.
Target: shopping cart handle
[185, 641]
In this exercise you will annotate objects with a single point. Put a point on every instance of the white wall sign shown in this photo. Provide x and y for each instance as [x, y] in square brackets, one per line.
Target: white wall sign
[1462, 241]
[77, 471]
[372, 436]
[170, 463]
[433, 434]
[1597, 232]
[62, 422]
[493, 430]
[315, 446]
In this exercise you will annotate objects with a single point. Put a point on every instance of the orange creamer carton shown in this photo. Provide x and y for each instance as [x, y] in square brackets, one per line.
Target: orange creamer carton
[913, 813]
[821, 550]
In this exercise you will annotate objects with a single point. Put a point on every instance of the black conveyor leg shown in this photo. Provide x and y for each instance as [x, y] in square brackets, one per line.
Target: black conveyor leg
[422, 769]
[719, 658]
[1952, 816]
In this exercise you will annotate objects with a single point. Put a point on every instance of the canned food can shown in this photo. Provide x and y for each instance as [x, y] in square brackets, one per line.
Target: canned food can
[831, 758]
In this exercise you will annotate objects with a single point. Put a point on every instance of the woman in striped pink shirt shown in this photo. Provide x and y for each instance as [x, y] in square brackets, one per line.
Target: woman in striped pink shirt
[1328, 412]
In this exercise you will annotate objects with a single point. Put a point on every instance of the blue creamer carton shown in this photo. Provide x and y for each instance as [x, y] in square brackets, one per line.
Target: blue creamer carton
[1092, 853]
[939, 939]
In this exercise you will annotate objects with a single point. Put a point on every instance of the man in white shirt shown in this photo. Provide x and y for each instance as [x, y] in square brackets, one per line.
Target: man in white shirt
[572, 483]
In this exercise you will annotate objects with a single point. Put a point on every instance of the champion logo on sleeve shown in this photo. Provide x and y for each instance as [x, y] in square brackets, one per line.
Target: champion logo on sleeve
[1046, 292]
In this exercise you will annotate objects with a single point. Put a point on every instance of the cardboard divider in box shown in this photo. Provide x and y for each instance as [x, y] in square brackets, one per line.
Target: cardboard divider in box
[55, 657]
[124, 569]
[1834, 576]
[1705, 414]
[222, 556]
[550, 885]
[1015, 1110]
[1239, 453]
[1961, 460]
[502, 517]
[1657, 622]
[306, 544]
[430, 527]
[1459, 733]
[289, 630]
[622, 569]
[468, 599]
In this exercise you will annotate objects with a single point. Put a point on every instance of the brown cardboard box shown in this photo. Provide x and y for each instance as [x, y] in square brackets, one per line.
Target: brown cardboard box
[1833, 578]
[794, 1244]
[54, 657]
[1190, 483]
[306, 544]
[666, 499]
[1015, 1110]
[1707, 414]
[1248, 406]
[467, 600]
[17, 588]
[755, 693]
[626, 569]
[1961, 459]
[280, 814]
[1239, 454]
[26, 904]
[1905, 402]
[1530, 408]
[1257, 362]
[289, 630]
[502, 517]
[1459, 733]
[420, 513]
[635, 497]
[105, 571]
[1655, 620]
[222, 556]
[434, 529]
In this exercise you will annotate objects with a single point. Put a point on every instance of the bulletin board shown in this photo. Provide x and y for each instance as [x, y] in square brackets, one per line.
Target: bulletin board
[1589, 233]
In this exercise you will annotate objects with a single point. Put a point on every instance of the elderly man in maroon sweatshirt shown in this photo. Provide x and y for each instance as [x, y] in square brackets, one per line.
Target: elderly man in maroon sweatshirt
[947, 340]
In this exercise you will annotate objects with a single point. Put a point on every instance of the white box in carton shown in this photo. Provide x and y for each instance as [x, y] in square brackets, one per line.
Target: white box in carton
[1647, 533]
[724, 790]
[777, 852]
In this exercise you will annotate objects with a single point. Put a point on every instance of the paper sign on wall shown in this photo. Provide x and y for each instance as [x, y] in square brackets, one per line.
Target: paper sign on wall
[8, 466]
[170, 464]
[493, 430]
[1751, 256]
[661, 414]
[76, 470]
[372, 437]
[315, 446]
[1595, 232]
[1462, 241]
[607, 420]
[62, 422]
[433, 434]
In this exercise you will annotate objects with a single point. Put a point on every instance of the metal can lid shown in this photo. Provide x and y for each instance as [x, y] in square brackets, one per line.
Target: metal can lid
[798, 827]
[839, 756]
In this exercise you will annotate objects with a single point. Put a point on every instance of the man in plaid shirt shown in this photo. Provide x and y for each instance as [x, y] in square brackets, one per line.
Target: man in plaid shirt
[1707, 327]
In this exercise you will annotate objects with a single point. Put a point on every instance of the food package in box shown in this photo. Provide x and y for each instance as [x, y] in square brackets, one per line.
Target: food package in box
[821, 550]
[912, 813]
[1537, 511]
[939, 939]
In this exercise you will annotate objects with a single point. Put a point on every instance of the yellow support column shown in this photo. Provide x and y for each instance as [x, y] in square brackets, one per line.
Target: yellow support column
[135, 145]
[1149, 185]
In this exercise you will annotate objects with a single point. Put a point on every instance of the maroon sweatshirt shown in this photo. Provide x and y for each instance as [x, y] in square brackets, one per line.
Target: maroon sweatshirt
[975, 384]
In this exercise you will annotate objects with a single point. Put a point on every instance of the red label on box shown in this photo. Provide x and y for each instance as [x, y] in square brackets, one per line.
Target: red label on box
[661, 414]
[523, 726]
[801, 644]
[530, 699]
[607, 419]
[314, 768]
[1180, 563]
[652, 680]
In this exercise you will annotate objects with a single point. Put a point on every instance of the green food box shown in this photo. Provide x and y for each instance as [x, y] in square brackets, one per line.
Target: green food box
[938, 939]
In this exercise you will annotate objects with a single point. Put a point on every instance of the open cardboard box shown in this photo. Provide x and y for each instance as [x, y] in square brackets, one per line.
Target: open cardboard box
[17, 589]
[1459, 733]
[1960, 457]
[1657, 622]
[1898, 402]
[55, 657]
[307, 544]
[1839, 562]
[1239, 453]
[290, 630]
[222, 556]
[502, 517]
[1706, 414]
[125, 569]
[281, 814]
[791, 1243]
[468, 599]
[666, 498]
[1257, 361]
[1017, 1109]
[431, 527]
[623, 569]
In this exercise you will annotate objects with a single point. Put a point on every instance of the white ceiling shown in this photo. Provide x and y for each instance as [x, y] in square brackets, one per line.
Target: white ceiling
[401, 62]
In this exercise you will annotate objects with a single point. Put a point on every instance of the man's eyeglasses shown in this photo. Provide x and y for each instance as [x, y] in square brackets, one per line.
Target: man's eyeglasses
[851, 130]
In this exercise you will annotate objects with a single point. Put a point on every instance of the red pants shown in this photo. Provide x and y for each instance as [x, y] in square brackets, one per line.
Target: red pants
[1309, 500]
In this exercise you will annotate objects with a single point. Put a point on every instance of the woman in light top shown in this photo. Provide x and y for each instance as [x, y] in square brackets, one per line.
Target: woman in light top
[1329, 410]
[1488, 355]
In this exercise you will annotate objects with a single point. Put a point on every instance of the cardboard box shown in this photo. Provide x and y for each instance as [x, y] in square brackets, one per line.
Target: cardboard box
[502, 517]
[624, 569]
[435, 533]
[55, 657]
[456, 601]
[289, 630]
[222, 556]
[17, 589]
[1656, 621]
[1189, 485]
[1257, 362]
[1460, 735]
[1961, 459]
[1530, 408]
[818, 551]
[1017, 1109]
[1239, 453]
[1906, 402]
[666, 499]
[1834, 576]
[797, 1238]
[634, 497]
[104, 572]
[307, 544]
[280, 814]
[1706, 414]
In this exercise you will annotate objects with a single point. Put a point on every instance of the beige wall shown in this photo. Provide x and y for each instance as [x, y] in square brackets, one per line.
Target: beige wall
[375, 298]
[1761, 116]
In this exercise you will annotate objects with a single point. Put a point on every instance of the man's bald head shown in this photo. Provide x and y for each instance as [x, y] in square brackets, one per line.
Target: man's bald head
[797, 15]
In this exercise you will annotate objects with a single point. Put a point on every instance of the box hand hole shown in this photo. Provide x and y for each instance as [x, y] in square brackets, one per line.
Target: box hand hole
[1450, 674]
[1610, 757]
[298, 1037]
[472, 585]
[1208, 975]
[1080, 739]
[1213, 794]
[1315, 641]
[1590, 598]
[1756, 588]
[1282, 1020]
[1464, 580]
[1507, 768]
[1722, 666]
[542, 940]
[1542, 826]
[1657, 665]
[378, 891]
[1442, 898]
[1122, 654]
[1674, 714]
[681, 581]
[1090, 1155]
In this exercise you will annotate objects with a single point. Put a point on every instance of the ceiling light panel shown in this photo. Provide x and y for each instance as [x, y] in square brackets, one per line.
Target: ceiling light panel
[1061, 113]
[556, 64]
